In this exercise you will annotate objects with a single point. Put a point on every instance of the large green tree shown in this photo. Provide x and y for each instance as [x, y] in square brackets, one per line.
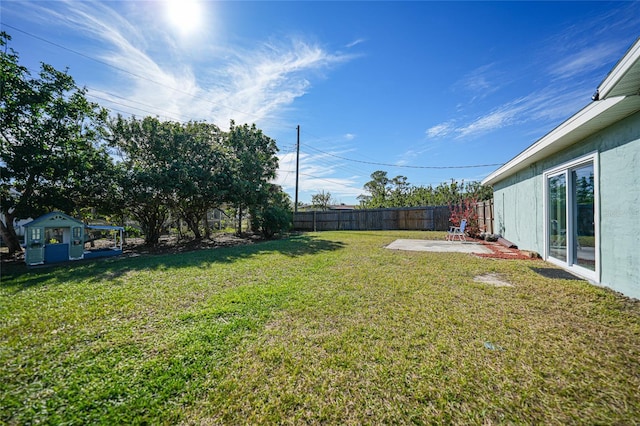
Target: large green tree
[145, 164]
[170, 169]
[378, 188]
[51, 155]
[399, 192]
[200, 172]
[322, 200]
[254, 164]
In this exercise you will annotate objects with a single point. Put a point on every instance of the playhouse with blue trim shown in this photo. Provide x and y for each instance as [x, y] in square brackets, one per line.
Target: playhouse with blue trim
[56, 237]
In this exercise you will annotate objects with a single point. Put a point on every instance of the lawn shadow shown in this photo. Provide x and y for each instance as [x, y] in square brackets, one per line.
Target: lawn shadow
[556, 273]
[21, 277]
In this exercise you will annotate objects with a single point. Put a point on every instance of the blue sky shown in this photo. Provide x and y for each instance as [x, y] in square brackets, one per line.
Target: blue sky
[413, 88]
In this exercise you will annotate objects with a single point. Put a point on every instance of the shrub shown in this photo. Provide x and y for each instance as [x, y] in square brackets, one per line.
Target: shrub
[132, 231]
[466, 209]
[272, 220]
[274, 215]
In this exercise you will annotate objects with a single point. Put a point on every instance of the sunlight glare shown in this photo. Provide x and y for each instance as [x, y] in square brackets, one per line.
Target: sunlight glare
[185, 16]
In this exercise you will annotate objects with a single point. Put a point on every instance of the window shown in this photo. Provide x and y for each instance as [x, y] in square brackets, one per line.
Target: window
[36, 234]
[53, 235]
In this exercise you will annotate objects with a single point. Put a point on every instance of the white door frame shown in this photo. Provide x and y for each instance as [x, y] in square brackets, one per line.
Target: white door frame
[566, 168]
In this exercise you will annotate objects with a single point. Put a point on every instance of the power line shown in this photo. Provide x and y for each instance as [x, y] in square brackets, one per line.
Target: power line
[330, 163]
[126, 106]
[404, 165]
[318, 178]
[169, 114]
[375, 163]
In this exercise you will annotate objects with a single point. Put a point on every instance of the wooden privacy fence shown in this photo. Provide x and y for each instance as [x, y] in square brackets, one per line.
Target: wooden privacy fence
[431, 218]
[484, 210]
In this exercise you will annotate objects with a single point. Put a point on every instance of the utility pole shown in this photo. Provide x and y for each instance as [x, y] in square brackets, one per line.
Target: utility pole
[295, 207]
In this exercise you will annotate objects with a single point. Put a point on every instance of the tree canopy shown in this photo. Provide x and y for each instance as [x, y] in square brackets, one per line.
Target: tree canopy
[62, 152]
[52, 156]
[322, 200]
[384, 192]
[254, 164]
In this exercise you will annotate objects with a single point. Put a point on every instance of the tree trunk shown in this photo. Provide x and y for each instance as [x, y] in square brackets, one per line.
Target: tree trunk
[194, 225]
[240, 220]
[179, 226]
[152, 231]
[151, 221]
[207, 228]
[9, 235]
[124, 234]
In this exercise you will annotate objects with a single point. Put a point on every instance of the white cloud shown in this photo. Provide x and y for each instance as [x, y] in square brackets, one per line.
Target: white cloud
[489, 122]
[518, 111]
[316, 174]
[440, 130]
[482, 81]
[584, 61]
[355, 43]
[262, 82]
[575, 66]
[248, 85]
[349, 136]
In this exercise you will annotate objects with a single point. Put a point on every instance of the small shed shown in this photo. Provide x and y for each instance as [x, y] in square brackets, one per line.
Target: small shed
[56, 237]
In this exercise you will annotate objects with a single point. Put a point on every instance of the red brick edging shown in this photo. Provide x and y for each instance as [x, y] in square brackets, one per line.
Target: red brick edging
[501, 252]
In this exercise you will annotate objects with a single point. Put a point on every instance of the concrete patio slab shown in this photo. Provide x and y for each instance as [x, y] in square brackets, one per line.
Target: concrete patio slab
[439, 246]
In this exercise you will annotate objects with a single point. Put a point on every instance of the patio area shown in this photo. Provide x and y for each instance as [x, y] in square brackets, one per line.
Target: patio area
[478, 248]
[439, 246]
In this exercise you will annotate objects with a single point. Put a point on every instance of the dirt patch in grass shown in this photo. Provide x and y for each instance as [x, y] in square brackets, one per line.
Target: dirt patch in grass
[172, 244]
[495, 280]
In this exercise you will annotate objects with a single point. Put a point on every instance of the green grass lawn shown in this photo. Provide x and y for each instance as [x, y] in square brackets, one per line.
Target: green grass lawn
[319, 328]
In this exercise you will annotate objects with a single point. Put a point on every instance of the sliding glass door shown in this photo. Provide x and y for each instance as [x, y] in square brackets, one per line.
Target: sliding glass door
[557, 230]
[571, 217]
[584, 230]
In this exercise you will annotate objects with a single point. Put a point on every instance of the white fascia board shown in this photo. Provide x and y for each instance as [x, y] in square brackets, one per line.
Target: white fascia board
[620, 70]
[565, 134]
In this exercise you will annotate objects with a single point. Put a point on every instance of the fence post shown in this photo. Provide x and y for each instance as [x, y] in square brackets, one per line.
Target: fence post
[484, 210]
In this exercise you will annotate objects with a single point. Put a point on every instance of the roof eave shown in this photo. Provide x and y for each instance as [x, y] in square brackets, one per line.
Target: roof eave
[621, 70]
[591, 119]
[617, 98]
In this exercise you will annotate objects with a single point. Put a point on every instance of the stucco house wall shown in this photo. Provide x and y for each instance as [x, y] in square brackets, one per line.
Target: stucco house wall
[620, 207]
[518, 209]
[574, 195]
[519, 212]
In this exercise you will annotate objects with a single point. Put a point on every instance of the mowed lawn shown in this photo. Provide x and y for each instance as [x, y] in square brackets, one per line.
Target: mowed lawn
[317, 328]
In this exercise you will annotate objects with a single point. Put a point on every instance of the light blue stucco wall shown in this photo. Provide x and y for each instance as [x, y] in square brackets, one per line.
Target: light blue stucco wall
[518, 202]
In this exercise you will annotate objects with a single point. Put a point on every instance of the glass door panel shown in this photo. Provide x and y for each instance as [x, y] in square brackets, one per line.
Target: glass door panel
[557, 229]
[583, 247]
